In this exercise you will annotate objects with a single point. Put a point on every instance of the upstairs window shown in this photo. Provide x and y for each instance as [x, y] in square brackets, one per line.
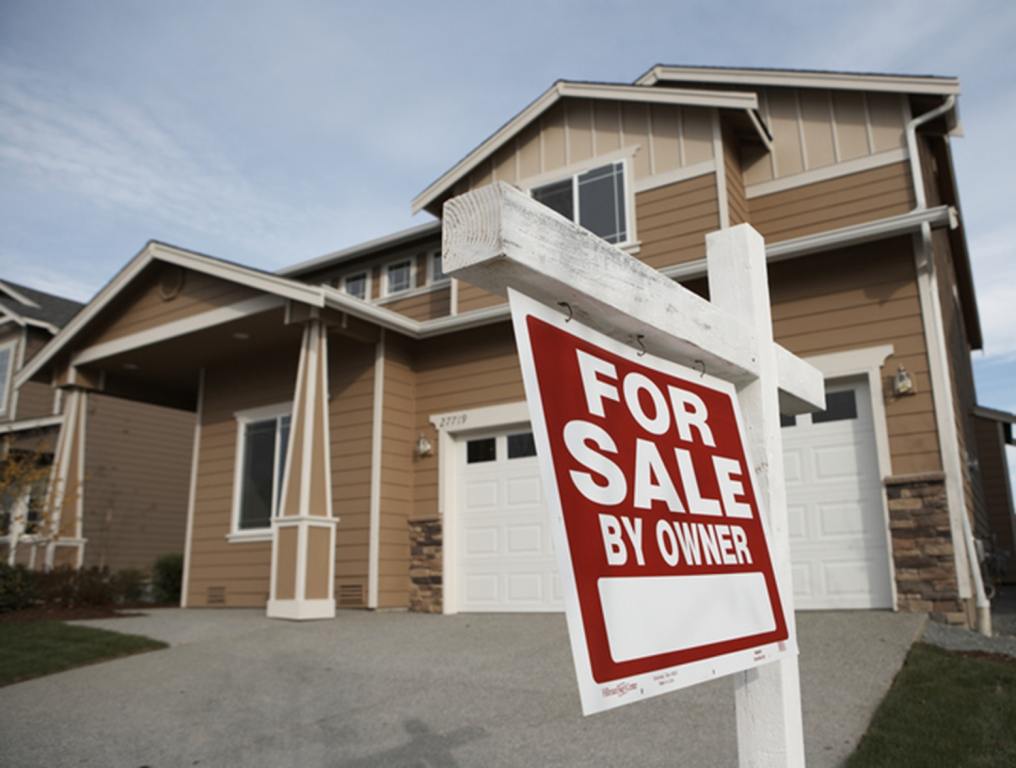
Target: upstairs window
[357, 285]
[398, 277]
[436, 270]
[594, 200]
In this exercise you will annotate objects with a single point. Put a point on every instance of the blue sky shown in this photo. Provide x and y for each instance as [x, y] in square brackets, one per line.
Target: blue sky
[269, 133]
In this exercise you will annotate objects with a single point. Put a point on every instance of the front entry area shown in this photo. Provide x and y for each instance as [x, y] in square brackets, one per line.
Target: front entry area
[504, 559]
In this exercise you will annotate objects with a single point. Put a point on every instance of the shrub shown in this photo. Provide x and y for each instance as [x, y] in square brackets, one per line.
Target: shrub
[167, 578]
[57, 587]
[67, 587]
[129, 585]
[17, 588]
[94, 587]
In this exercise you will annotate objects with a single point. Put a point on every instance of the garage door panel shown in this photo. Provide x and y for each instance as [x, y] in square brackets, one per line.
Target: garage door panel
[525, 539]
[482, 495]
[523, 490]
[481, 541]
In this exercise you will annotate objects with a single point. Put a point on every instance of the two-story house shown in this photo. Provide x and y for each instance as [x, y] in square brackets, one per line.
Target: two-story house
[361, 434]
[126, 484]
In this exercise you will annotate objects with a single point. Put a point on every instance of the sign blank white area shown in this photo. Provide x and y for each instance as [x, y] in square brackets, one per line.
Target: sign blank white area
[649, 615]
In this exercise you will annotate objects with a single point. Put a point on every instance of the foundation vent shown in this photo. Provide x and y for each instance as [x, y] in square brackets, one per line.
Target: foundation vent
[350, 595]
[216, 596]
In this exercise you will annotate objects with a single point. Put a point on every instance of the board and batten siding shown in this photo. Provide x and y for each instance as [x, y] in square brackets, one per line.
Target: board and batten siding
[816, 128]
[843, 201]
[137, 471]
[862, 297]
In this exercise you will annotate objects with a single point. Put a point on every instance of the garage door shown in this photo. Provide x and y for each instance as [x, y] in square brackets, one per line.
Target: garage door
[505, 559]
[505, 555]
[834, 500]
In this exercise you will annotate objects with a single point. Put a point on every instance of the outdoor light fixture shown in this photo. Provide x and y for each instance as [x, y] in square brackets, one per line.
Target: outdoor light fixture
[423, 446]
[131, 366]
[241, 336]
[903, 384]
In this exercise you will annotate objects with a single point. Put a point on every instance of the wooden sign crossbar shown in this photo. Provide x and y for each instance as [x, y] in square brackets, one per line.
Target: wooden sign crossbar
[498, 237]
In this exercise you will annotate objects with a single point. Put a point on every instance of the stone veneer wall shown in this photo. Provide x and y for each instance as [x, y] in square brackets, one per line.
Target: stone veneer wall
[425, 566]
[922, 547]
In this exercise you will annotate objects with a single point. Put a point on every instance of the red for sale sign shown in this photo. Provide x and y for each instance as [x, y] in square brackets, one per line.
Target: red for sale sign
[660, 539]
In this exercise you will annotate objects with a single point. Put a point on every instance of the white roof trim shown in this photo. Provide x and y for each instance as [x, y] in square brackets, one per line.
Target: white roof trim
[9, 315]
[362, 249]
[917, 84]
[280, 286]
[17, 295]
[562, 89]
[26, 424]
[326, 296]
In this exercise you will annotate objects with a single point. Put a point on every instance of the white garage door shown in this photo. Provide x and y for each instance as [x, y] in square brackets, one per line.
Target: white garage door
[834, 500]
[505, 555]
[505, 558]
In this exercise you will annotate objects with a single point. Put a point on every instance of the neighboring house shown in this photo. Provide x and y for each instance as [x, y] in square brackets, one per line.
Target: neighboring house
[125, 489]
[362, 436]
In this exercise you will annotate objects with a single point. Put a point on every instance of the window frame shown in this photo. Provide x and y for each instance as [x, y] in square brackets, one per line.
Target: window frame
[573, 172]
[386, 287]
[243, 419]
[431, 280]
[11, 347]
[368, 285]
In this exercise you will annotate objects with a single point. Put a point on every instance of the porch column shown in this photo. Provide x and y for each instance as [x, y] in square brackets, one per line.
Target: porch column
[303, 535]
[65, 497]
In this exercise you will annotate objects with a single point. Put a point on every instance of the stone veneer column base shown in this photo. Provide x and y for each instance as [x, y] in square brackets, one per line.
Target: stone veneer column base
[425, 566]
[922, 547]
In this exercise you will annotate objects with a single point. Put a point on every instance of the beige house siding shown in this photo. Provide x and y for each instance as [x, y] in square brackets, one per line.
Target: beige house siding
[737, 201]
[137, 471]
[398, 438]
[673, 221]
[221, 572]
[839, 202]
[472, 369]
[143, 307]
[350, 414]
[861, 297]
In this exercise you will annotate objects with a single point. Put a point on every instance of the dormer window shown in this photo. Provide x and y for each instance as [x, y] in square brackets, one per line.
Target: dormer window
[357, 284]
[398, 276]
[594, 199]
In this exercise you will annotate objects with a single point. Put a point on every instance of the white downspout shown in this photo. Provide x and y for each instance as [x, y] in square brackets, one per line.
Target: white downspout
[938, 354]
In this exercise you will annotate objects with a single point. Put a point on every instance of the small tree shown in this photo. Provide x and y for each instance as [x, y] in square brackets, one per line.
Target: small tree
[24, 494]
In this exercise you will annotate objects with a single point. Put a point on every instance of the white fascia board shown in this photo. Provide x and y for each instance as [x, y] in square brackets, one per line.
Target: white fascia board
[363, 249]
[913, 84]
[280, 286]
[561, 89]
[905, 223]
[17, 295]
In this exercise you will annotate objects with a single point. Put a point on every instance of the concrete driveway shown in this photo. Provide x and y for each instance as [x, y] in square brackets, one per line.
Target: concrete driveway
[396, 689]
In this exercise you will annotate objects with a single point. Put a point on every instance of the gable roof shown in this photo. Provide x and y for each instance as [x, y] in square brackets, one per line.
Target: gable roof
[401, 237]
[35, 307]
[801, 78]
[725, 99]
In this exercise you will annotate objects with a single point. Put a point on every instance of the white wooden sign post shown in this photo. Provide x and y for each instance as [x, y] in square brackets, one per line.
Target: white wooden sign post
[499, 238]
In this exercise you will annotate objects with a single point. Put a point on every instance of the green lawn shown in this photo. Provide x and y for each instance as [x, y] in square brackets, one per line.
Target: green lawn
[35, 648]
[944, 709]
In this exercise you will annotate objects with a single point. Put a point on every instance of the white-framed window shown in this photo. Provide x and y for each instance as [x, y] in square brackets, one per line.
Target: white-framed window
[6, 374]
[398, 276]
[595, 199]
[357, 284]
[262, 440]
[435, 272]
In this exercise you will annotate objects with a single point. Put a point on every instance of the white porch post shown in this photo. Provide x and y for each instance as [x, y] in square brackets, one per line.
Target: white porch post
[65, 498]
[303, 534]
[768, 698]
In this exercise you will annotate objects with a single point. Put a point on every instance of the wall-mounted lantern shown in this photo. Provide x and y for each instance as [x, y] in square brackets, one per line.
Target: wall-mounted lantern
[423, 446]
[903, 383]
